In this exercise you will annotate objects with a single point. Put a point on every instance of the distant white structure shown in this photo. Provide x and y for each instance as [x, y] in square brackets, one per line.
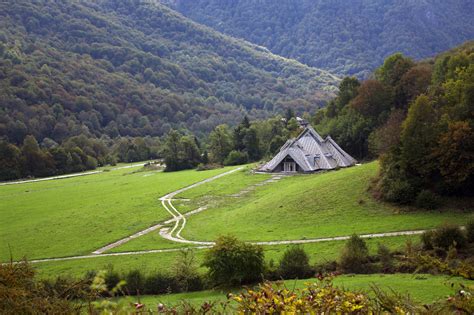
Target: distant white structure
[308, 153]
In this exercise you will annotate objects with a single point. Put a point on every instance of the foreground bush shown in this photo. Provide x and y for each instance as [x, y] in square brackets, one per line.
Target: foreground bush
[21, 294]
[470, 231]
[320, 297]
[232, 262]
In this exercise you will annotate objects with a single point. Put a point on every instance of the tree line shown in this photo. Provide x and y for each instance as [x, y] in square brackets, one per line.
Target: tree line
[246, 142]
[77, 154]
[249, 141]
[418, 118]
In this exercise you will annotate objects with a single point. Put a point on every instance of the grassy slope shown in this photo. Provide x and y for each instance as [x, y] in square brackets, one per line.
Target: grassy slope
[210, 194]
[78, 215]
[422, 288]
[308, 206]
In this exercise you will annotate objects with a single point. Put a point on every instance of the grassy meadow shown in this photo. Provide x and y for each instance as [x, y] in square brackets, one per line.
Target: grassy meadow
[75, 216]
[309, 206]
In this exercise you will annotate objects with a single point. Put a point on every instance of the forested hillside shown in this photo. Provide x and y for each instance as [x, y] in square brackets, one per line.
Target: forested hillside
[72, 72]
[347, 37]
[418, 118]
[131, 69]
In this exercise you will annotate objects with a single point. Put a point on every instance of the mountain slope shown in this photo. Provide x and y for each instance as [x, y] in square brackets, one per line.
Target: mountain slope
[132, 68]
[345, 37]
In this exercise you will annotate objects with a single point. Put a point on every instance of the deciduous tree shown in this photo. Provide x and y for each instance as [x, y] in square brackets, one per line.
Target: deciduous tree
[220, 144]
[455, 154]
[232, 262]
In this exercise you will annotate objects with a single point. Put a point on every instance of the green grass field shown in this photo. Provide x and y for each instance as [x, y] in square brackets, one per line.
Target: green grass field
[77, 268]
[78, 215]
[309, 206]
[422, 288]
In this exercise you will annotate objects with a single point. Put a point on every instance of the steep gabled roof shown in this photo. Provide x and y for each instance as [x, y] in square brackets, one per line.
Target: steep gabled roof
[344, 159]
[311, 153]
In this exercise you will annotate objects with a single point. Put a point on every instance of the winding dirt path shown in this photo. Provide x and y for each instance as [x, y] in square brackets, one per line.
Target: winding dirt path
[178, 218]
[175, 233]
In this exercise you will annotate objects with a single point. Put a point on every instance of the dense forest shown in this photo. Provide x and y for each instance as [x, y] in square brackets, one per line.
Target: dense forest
[345, 37]
[81, 82]
[418, 117]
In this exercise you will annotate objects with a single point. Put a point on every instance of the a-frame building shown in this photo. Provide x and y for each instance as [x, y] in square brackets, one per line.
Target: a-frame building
[308, 153]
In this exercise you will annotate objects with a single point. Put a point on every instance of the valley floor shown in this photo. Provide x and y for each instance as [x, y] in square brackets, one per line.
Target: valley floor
[63, 222]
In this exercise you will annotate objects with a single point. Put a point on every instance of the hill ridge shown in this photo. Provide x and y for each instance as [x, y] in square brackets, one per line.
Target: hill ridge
[126, 68]
[345, 37]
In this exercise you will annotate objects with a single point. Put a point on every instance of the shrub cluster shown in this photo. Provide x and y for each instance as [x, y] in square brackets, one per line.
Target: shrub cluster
[232, 262]
[138, 283]
[320, 297]
[295, 264]
[184, 278]
[236, 158]
[427, 200]
[355, 256]
[22, 293]
[444, 237]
